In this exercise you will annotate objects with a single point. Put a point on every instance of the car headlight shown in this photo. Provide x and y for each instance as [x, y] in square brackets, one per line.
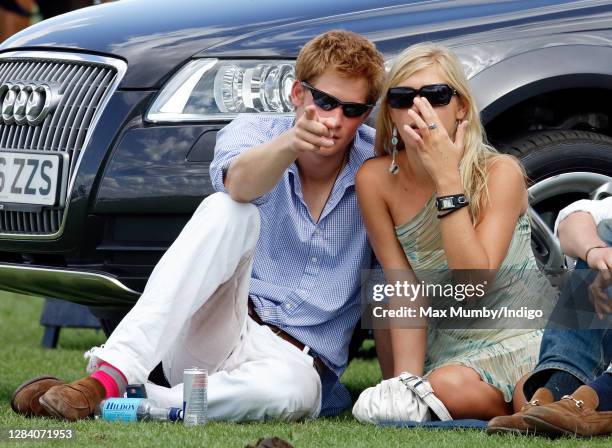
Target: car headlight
[213, 89]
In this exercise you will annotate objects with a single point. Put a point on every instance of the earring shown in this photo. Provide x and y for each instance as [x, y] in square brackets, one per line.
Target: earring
[393, 169]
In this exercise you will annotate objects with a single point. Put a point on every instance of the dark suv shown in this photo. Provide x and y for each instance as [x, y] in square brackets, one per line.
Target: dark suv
[109, 116]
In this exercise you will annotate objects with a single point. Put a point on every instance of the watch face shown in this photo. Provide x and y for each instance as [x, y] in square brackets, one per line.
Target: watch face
[446, 203]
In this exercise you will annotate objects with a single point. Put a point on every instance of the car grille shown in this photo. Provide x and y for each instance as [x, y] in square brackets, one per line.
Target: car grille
[85, 85]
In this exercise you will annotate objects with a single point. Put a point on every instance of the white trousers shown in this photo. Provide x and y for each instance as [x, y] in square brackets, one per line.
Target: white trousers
[193, 313]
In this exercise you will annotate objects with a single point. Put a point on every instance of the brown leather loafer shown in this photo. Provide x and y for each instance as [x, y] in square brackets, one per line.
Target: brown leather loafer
[25, 398]
[75, 400]
[514, 423]
[572, 415]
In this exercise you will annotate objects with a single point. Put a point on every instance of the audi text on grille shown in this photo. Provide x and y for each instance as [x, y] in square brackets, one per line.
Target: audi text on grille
[49, 104]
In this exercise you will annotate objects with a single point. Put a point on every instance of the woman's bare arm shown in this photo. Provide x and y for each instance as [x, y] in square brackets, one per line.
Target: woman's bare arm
[408, 346]
[486, 245]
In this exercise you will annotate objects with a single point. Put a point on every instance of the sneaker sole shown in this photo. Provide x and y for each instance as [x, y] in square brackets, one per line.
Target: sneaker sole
[24, 385]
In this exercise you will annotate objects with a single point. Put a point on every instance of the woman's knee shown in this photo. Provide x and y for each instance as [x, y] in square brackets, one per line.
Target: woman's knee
[450, 383]
[453, 378]
[464, 393]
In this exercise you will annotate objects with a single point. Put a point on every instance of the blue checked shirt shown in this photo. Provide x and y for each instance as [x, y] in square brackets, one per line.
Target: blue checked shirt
[306, 275]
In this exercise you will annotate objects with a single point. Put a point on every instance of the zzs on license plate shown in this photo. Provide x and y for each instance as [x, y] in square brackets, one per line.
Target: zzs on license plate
[32, 178]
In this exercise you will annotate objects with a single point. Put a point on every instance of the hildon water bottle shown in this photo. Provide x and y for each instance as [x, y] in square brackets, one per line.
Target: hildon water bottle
[135, 410]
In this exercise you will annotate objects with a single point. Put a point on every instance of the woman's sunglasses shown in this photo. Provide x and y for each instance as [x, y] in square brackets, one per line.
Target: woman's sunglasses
[436, 94]
[328, 102]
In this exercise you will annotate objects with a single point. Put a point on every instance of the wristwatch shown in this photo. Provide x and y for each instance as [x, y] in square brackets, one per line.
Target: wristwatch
[452, 202]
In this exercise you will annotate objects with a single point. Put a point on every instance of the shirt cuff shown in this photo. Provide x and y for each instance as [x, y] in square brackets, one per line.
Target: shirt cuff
[219, 184]
[599, 210]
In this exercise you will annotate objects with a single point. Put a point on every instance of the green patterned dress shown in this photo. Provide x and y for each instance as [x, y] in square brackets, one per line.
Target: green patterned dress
[500, 356]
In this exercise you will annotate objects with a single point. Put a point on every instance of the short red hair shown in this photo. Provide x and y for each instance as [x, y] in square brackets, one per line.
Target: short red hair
[349, 54]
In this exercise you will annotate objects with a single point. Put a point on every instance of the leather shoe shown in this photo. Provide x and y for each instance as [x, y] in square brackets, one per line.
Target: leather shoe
[572, 415]
[25, 398]
[515, 423]
[75, 400]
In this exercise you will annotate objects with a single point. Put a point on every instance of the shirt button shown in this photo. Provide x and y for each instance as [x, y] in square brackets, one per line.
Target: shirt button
[288, 306]
[317, 231]
[313, 259]
[266, 313]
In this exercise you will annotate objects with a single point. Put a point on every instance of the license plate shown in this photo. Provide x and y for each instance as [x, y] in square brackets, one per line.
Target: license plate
[32, 178]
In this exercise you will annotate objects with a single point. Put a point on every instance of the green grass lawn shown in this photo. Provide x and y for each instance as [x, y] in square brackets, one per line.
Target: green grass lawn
[22, 357]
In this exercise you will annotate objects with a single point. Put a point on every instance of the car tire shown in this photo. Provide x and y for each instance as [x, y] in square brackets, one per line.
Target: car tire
[562, 167]
[548, 153]
[551, 153]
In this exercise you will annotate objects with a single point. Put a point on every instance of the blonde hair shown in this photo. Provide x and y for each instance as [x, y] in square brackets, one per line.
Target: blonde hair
[475, 163]
[345, 52]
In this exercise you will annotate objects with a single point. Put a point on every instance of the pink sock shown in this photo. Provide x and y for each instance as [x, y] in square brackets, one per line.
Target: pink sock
[112, 379]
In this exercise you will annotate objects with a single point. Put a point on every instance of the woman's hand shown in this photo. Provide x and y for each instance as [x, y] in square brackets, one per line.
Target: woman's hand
[440, 155]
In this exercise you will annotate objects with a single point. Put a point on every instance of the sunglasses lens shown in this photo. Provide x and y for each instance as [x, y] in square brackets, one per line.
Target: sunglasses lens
[324, 101]
[328, 102]
[354, 110]
[401, 97]
[437, 94]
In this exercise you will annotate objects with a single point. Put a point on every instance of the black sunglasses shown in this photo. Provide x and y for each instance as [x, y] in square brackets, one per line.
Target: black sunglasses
[328, 102]
[436, 94]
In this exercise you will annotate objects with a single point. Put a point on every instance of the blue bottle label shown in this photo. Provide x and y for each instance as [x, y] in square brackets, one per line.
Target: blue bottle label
[120, 409]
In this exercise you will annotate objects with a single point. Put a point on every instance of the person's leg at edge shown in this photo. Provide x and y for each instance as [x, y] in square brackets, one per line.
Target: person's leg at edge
[205, 256]
[568, 359]
[602, 386]
[570, 356]
[586, 412]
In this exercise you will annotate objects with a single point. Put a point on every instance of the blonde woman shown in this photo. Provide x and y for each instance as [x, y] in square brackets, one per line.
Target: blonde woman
[430, 145]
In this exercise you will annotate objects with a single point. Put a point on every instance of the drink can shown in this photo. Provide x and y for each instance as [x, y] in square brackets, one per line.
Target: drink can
[195, 396]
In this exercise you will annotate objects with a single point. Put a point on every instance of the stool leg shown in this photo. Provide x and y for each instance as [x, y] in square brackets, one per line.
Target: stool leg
[51, 336]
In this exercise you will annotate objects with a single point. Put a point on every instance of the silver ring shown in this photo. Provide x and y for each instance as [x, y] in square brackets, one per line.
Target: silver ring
[431, 126]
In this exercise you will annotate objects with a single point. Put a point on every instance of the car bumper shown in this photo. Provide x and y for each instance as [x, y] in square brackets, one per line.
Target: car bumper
[85, 288]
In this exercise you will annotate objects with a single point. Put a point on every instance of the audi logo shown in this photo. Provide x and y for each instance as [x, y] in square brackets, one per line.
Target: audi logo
[26, 102]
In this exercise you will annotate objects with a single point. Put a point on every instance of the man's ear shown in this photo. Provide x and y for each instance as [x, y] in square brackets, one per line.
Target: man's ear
[297, 94]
